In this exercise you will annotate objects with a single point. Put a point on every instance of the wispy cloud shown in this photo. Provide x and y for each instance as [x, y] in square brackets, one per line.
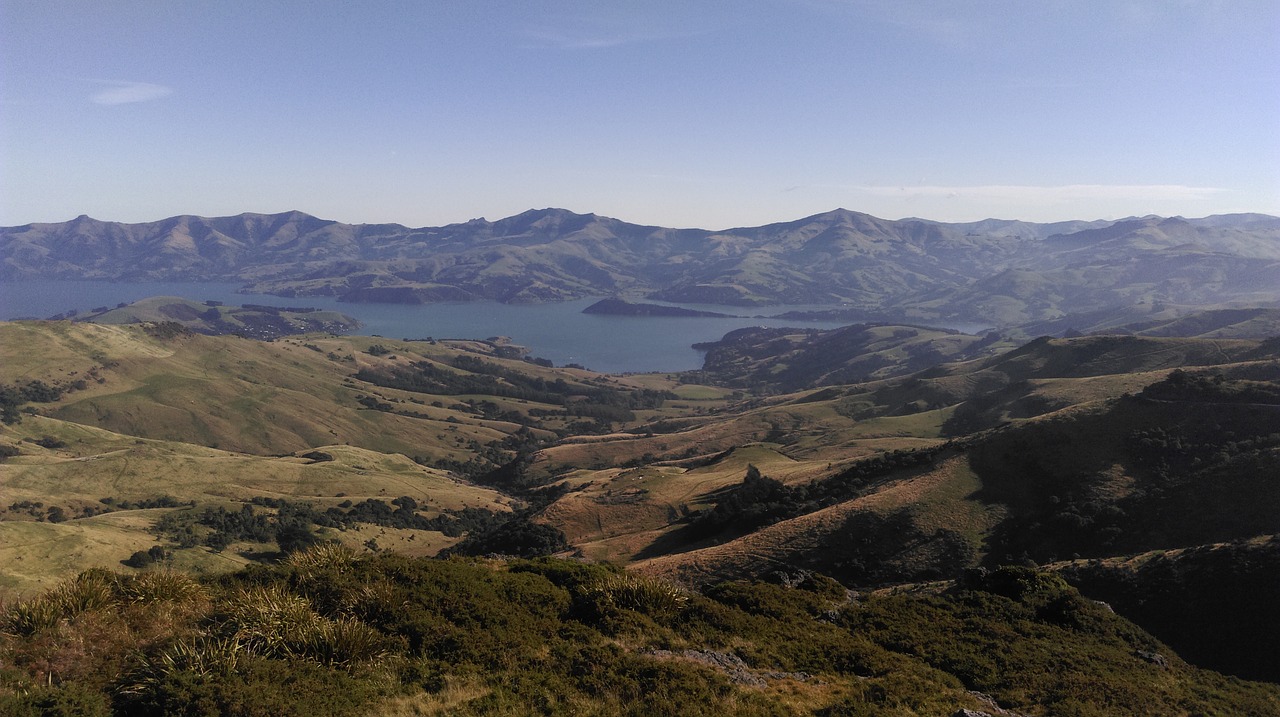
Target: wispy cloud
[114, 92]
[947, 23]
[1048, 194]
[543, 38]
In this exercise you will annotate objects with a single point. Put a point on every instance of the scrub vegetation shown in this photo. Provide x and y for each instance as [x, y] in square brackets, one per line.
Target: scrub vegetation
[328, 633]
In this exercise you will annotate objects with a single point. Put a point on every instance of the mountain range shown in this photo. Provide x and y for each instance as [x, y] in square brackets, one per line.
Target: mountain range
[998, 271]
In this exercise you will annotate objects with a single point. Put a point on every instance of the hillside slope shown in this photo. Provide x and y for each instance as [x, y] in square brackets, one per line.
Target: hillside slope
[326, 633]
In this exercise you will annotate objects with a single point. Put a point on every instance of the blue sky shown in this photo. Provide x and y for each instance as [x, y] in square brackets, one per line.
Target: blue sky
[707, 114]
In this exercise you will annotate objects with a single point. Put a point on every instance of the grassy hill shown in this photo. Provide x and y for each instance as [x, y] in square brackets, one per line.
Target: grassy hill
[206, 453]
[1094, 446]
[93, 498]
[764, 359]
[124, 416]
[286, 396]
[1073, 450]
[1163, 319]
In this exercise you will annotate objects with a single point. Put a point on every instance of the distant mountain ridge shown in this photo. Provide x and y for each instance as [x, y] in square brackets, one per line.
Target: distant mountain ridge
[1001, 271]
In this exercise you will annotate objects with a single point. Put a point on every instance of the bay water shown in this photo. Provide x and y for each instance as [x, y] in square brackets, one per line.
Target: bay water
[556, 331]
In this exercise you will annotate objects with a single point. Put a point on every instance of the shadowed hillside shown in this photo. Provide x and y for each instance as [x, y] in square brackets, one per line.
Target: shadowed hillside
[213, 318]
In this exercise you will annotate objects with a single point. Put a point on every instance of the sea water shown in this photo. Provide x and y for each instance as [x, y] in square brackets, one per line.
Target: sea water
[557, 331]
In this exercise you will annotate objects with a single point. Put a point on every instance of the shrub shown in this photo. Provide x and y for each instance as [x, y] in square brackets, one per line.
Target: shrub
[257, 688]
[519, 537]
[65, 700]
[143, 558]
[1026, 585]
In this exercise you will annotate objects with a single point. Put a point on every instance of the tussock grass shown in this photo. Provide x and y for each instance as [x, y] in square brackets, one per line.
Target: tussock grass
[266, 620]
[324, 557]
[272, 621]
[205, 657]
[31, 616]
[345, 643]
[91, 590]
[643, 593]
[162, 586]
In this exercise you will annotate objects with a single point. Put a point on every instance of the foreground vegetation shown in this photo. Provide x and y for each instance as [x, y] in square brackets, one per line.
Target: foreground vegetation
[328, 633]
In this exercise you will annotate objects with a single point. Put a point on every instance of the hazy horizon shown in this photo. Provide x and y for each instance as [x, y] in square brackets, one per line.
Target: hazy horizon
[639, 222]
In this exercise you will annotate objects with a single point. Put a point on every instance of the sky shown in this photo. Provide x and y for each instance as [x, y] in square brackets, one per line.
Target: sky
[688, 113]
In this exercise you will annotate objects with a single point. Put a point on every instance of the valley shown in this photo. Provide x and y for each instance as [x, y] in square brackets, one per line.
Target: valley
[1093, 472]
[887, 457]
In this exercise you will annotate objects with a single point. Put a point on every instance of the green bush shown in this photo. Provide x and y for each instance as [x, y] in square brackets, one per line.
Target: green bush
[66, 700]
[332, 635]
[257, 688]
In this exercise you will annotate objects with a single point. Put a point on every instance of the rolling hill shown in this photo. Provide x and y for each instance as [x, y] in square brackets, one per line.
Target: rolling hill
[121, 424]
[909, 464]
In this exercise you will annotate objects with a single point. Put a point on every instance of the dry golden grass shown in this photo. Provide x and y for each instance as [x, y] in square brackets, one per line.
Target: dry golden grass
[52, 351]
[618, 511]
[37, 556]
[455, 693]
[942, 497]
[98, 464]
[814, 432]
[756, 553]
[1133, 562]
[415, 543]
[238, 394]
[585, 519]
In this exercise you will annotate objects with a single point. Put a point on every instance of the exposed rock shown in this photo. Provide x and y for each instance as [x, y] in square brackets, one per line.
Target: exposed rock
[789, 578]
[732, 666]
[1154, 658]
[988, 702]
